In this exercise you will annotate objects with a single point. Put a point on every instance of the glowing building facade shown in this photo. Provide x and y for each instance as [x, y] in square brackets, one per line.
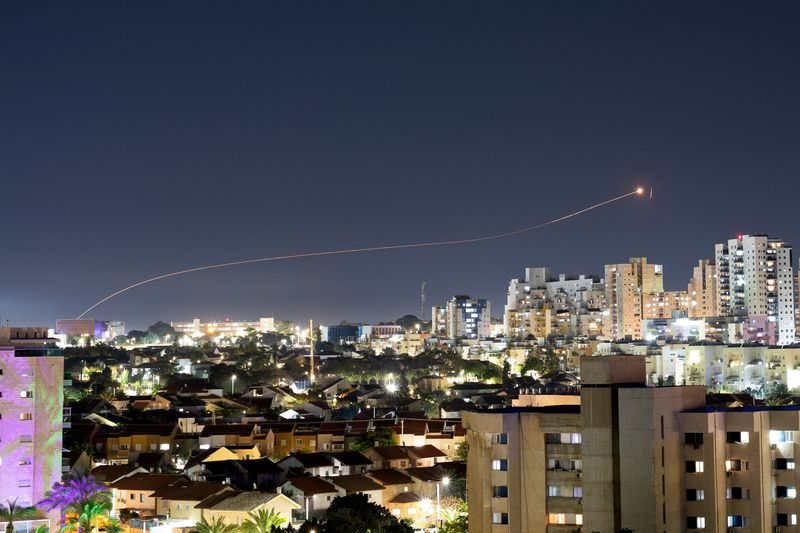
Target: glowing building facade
[31, 419]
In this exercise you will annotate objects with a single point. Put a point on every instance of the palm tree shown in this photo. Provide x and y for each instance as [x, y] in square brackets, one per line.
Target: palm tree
[114, 526]
[263, 521]
[11, 512]
[217, 525]
[83, 500]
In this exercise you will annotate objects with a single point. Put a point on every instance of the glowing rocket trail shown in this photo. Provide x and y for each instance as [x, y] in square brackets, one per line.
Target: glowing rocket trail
[639, 191]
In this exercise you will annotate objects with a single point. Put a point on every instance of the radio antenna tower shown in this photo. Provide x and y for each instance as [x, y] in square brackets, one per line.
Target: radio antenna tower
[422, 303]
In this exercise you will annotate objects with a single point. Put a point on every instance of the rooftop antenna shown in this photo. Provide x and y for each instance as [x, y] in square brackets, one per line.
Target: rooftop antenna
[311, 349]
[422, 303]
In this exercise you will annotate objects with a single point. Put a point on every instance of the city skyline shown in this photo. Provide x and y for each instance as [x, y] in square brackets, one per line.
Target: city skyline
[199, 135]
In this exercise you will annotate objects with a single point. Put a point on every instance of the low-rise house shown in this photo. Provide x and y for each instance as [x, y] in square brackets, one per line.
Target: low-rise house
[313, 494]
[404, 456]
[233, 507]
[307, 464]
[108, 474]
[227, 435]
[135, 492]
[255, 474]
[115, 444]
[360, 484]
[394, 481]
[178, 500]
[349, 463]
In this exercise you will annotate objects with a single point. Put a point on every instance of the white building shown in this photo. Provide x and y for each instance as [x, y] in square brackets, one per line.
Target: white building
[463, 317]
[755, 278]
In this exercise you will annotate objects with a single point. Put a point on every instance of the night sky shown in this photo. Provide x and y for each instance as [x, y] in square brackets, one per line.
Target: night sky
[138, 138]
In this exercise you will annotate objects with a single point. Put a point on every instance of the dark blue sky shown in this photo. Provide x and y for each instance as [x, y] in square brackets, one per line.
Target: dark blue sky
[143, 137]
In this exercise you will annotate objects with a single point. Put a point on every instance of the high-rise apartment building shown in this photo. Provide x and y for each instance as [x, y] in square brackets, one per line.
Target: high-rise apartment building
[463, 317]
[633, 457]
[702, 290]
[626, 284]
[755, 278]
[31, 414]
[616, 461]
[540, 305]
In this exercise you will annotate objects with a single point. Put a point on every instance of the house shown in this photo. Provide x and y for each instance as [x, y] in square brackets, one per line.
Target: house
[452, 408]
[227, 435]
[349, 463]
[151, 461]
[398, 496]
[75, 464]
[108, 474]
[178, 500]
[233, 506]
[116, 443]
[136, 492]
[254, 474]
[313, 494]
[307, 464]
[332, 387]
[404, 456]
[315, 409]
[360, 484]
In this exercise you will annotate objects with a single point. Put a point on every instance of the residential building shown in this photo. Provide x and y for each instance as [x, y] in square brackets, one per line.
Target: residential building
[626, 287]
[31, 414]
[702, 290]
[755, 278]
[464, 318]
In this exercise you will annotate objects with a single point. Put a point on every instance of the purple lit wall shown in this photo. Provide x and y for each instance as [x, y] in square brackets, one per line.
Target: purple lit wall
[31, 416]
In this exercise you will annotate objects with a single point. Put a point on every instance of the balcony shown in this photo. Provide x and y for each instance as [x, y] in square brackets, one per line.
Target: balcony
[563, 475]
[572, 451]
[564, 504]
[66, 418]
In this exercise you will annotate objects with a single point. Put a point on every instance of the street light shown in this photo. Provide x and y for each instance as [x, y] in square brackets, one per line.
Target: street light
[233, 380]
[444, 481]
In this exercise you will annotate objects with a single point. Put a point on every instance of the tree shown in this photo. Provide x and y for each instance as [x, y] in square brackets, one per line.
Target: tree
[379, 437]
[355, 512]
[462, 451]
[83, 499]
[11, 512]
[114, 526]
[217, 525]
[161, 329]
[262, 521]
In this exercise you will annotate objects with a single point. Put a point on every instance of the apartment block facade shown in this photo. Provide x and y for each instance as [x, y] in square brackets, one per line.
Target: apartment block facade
[633, 456]
[31, 418]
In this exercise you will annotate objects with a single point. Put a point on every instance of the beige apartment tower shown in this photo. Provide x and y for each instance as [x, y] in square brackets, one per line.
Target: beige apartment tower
[626, 286]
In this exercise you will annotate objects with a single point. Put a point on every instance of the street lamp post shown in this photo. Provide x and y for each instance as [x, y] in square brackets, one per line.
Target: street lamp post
[233, 380]
[444, 481]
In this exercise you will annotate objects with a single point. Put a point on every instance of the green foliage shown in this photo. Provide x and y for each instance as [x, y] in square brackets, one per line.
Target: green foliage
[217, 525]
[383, 436]
[11, 512]
[160, 330]
[462, 451]
[354, 512]
[262, 521]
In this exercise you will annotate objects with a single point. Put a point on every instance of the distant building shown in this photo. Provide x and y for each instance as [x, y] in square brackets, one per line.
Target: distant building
[463, 317]
[339, 334]
[540, 305]
[626, 287]
[227, 328]
[90, 329]
[755, 278]
[702, 290]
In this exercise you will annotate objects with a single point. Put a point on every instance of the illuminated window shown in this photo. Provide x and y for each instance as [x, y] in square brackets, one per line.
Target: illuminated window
[500, 464]
[499, 518]
[26, 438]
[24, 483]
[695, 522]
[693, 467]
[26, 416]
[25, 394]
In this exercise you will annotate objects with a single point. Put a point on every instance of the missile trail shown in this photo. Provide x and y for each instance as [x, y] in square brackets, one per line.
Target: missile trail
[639, 191]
